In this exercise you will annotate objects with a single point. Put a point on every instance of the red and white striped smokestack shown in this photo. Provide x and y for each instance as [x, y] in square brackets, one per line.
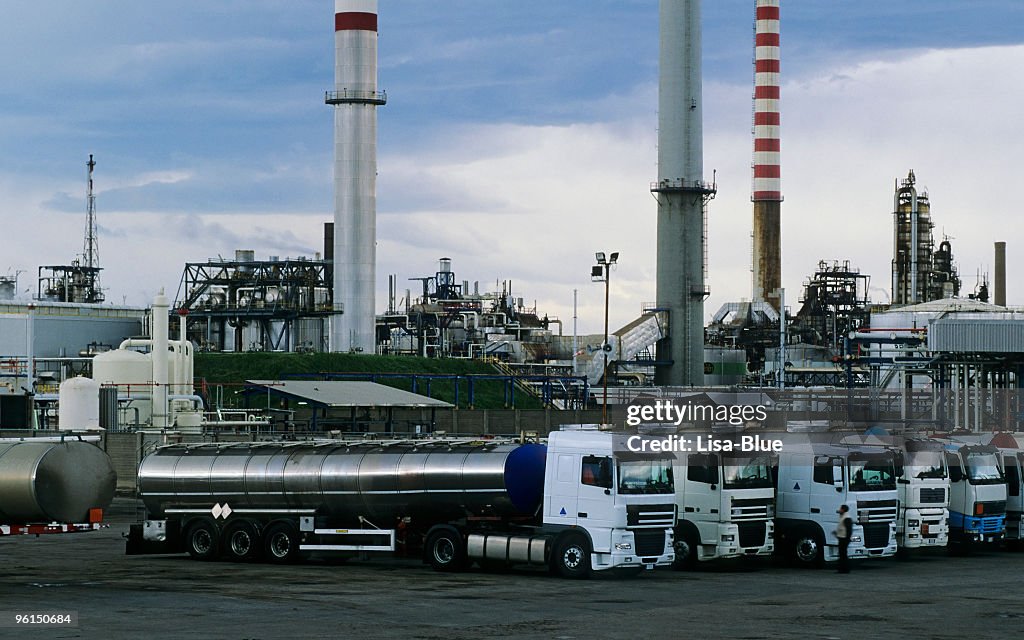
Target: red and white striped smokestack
[767, 184]
[355, 99]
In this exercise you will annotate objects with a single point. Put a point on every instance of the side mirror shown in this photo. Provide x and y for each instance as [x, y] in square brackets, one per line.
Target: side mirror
[837, 474]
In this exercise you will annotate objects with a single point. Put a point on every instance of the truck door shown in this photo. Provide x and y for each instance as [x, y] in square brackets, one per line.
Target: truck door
[562, 497]
[827, 489]
[794, 482]
[703, 484]
[595, 507]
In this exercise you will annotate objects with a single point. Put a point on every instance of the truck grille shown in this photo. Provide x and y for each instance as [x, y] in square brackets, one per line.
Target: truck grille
[876, 511]
[752, 533]
[651, 515]
[994, 508]
[876, 535]
[934, 495]
[751, 508]
[649, 543]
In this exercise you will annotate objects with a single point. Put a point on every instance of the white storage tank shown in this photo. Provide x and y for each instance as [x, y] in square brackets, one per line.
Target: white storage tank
[79, 404]
[129, 370]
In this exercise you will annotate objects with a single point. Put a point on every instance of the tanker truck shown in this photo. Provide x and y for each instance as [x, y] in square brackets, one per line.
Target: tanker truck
[53, 486]
[574, 505]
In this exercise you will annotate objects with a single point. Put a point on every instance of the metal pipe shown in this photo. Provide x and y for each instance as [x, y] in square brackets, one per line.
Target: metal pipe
[160, 373]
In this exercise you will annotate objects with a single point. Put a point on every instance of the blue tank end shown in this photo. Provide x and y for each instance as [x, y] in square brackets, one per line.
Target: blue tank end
[524, 476]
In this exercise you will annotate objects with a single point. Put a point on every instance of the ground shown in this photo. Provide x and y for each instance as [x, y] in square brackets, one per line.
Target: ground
[153, 597]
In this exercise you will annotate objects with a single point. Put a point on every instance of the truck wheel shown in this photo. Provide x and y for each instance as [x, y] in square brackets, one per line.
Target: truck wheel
[281, 543]
[241, 541]
[809, 549]
[686, 551]
[445, 550]
[572, 558]
[203, 540]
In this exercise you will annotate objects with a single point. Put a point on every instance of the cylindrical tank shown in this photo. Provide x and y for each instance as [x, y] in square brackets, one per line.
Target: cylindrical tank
[79, 403]
[124, 368]
[430, 481]
[53, 481]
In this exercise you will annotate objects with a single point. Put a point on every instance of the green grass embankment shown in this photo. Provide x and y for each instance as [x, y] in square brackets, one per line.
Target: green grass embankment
[233, 369]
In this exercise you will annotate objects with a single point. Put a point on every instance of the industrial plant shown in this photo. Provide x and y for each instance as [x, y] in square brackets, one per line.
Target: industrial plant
[272, 411]
[827, 334]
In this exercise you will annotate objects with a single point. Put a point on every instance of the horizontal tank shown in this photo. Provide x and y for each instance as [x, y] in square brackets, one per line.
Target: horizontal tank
[433, 481]
[53, 481]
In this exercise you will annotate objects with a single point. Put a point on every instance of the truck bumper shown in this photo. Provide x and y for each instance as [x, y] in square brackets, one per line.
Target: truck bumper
[624, 552]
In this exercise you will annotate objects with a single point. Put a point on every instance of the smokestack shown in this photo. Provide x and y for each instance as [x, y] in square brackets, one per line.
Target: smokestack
[682, 195]
[767, 184]
[355, 99]
[1000, 275]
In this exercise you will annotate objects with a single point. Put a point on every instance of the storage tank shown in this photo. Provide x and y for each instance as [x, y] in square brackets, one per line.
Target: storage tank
[53, 481]
[434, 481]
[124, 368]
[79, 404]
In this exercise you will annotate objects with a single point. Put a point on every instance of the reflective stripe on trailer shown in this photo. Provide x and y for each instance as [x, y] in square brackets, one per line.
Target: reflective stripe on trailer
[53, 527]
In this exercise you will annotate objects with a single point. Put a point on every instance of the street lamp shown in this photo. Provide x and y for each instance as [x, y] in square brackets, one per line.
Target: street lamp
[601, 272]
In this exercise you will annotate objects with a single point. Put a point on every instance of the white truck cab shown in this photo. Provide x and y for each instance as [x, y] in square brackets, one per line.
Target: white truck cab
[623, 502]
[725, 504]
[814, 479]
[923, 484]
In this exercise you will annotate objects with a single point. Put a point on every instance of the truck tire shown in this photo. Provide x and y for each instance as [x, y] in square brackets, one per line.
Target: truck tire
[809, 549]
[686, 550]
[241, 540]
[281, 543]
[572, 557]
[445, 550]
[202, 541]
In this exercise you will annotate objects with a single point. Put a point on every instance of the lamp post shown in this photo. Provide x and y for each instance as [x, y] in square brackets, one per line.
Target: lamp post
[598, 273]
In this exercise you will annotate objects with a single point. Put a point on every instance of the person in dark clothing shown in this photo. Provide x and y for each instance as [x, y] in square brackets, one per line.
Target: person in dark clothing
[843, 533]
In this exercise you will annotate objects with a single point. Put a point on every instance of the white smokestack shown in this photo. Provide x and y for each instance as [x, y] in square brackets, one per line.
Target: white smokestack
[355, 99]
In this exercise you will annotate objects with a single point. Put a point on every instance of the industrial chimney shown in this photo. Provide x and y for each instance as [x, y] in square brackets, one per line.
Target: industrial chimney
[355, 99]
[1000, 274]
[767, 185]
[682, 195]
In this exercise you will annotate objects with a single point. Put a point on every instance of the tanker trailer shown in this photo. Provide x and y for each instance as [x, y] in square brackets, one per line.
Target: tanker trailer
[53, 486]
[574, 505]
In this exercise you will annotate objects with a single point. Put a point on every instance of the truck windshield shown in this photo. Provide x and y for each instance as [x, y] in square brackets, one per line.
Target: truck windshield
[872, 472]
[746, 472]
[645, 476]
[925, 464]
[983, 469]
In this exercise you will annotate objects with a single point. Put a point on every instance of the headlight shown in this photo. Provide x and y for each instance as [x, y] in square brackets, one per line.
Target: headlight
[913, 523]
[854, 538]
[623, 546]
[728, 537]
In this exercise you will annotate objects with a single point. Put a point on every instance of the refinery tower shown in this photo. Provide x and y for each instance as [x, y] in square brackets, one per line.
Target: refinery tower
[355, 99]
[682, 196]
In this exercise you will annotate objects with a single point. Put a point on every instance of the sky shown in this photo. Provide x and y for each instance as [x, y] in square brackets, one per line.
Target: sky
[519, 138]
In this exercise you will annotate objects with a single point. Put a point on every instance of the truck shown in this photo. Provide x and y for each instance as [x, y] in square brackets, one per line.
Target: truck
[574, 505]
[51, 486]
[923, 484]
[815, 478]
[1011, 461]
[725, 503]
[977, 495]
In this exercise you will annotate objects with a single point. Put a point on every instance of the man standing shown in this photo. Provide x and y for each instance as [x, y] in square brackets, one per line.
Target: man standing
[843, 533]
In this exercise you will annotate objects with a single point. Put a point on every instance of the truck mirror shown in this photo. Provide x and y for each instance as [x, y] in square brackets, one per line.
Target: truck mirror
[837, 474]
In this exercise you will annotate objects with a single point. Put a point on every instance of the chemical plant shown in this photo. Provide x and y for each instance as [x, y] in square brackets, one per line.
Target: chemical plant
[927, 337]
[271, 410]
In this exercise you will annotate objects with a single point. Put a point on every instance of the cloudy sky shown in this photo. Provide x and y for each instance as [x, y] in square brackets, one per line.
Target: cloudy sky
[519, 138]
